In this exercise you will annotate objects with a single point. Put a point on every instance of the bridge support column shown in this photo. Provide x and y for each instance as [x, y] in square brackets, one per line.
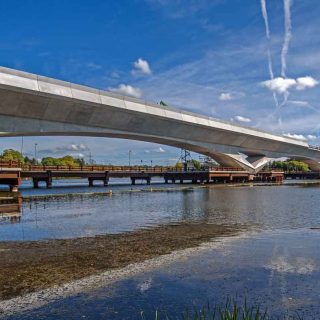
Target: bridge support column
[133, 181]
[90, 180]
[106, 179]
[35, 183]
[251, 163]
[106, 182]
[49, 179]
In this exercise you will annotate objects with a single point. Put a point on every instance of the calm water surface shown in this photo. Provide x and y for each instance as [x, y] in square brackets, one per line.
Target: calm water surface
[277, 267]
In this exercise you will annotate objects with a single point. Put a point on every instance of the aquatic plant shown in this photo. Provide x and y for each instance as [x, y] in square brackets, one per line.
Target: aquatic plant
[229, 311]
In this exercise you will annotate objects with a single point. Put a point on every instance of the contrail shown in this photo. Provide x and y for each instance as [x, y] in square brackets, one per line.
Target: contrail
[287, 36]
[270, 67]
[265, 17]
[266, 23]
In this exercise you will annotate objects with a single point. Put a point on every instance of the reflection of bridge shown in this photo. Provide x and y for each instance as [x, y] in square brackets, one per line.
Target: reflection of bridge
[34, 105]
[10, 207]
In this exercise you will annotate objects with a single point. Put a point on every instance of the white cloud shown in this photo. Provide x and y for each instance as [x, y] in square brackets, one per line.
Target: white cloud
[157, 150]
[115, 74]
[282, 85]
[225, 96]
[306, 82]
[242, 119]
[77, 147]
[300, 137]
[141, 66]
[94, 66]
[279, 85]
[78, 155]
[127, 90]
[311, 137]
[145, 285]
[72, 149]
[297, 265]
[160, 150]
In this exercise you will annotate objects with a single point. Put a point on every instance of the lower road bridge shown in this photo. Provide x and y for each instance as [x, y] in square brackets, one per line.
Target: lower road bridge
[12, 173]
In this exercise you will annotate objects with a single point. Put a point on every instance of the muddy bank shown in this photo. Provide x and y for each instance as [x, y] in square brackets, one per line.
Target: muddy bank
[31, 266]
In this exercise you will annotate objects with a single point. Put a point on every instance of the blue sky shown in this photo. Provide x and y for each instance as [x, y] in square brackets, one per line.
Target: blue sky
[208, 56]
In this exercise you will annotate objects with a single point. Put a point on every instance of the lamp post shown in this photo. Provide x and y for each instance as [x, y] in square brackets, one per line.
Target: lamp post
[35, 153]
[130, 157]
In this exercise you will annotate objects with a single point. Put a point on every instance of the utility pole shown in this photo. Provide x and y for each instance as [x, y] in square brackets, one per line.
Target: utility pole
[185, 155]
[130, 158]
[21, 150]
[90, 158]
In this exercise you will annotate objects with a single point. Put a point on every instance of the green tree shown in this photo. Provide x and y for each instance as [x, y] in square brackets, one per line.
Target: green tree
[12, 155]
[162, 103]
[179, 165]
[196, 164]
[290, 165]
[64, 161]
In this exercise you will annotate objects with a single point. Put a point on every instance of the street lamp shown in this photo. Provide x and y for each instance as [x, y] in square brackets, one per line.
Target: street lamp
[35, 153]
[130, 157]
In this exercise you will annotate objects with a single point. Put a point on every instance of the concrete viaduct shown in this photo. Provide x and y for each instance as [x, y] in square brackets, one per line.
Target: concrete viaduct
[33, 105]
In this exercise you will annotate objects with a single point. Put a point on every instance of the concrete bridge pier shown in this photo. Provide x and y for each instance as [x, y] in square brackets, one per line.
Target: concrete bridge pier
[104, 177]
[46, 177]
[146, 178]
[35, 183]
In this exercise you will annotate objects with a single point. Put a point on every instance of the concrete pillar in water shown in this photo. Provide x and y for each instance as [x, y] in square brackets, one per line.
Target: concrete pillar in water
[35, 183]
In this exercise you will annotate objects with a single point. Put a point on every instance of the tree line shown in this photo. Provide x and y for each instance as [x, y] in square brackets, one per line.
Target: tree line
[289, 165]
[14, 155]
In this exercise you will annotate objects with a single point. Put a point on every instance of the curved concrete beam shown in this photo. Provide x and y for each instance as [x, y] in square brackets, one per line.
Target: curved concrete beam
[36, 105]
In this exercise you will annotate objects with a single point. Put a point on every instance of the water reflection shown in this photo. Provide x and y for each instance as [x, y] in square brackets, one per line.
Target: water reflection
[87, 215]
[10, 207]
[276, 271]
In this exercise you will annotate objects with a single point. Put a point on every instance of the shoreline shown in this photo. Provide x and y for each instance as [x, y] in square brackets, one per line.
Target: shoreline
[43, 297]
[31, 266]
[148, 189]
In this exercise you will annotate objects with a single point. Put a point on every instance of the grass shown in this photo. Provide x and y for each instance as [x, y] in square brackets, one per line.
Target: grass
[229, 311]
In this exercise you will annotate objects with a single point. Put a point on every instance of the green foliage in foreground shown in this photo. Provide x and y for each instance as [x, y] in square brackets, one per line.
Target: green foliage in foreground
[229, 311]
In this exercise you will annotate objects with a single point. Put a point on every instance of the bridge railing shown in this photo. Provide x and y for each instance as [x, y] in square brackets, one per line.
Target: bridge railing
[9, 164]
[146, 169]
[219, 169]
